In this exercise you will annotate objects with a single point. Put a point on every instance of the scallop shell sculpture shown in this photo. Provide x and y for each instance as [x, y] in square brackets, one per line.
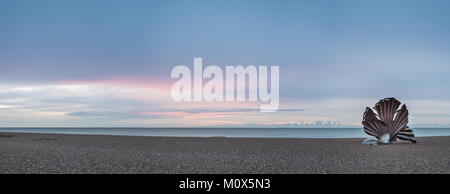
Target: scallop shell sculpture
[388, 123]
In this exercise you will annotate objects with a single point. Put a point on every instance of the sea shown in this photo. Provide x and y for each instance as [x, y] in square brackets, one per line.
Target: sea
[225, 132]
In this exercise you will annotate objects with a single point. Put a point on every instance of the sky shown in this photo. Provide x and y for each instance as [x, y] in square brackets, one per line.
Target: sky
[107, 63]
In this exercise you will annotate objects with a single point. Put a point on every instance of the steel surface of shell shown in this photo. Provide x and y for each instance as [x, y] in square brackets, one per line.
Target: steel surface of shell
[388, 119]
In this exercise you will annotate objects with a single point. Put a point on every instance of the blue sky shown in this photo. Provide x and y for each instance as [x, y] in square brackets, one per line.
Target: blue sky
[108, 63]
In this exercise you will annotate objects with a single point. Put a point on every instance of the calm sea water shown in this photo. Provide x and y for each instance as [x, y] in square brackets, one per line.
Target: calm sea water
[226, 132]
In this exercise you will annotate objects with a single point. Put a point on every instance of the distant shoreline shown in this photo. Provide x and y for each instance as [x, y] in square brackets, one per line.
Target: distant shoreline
[58, 153]
[208, 127]
[223, 132]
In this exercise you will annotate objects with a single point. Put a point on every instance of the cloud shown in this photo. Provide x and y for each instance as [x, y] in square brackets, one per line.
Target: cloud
[194, 111]
[172, 113]
[294, 124]
[113, 115]
[104, 104]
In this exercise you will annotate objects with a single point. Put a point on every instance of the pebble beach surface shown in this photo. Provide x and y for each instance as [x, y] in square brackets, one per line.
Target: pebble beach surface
[54, 153]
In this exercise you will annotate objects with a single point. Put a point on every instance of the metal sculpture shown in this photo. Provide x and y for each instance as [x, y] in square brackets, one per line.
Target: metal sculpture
[388, 123]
